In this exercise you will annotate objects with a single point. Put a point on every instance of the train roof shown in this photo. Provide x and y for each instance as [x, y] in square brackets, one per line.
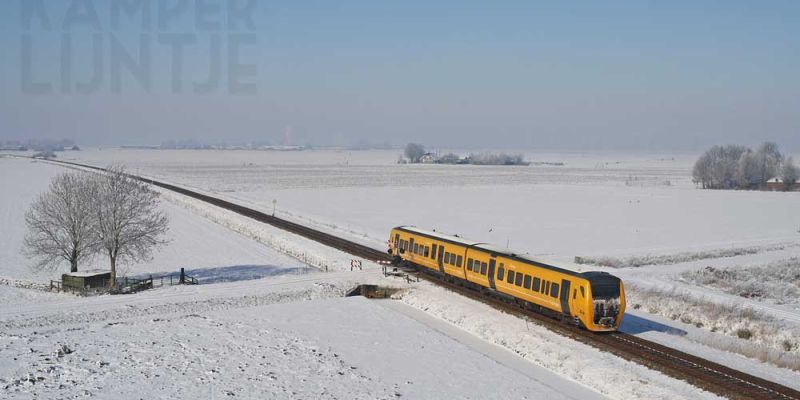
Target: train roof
[490, 248]
[433, 234]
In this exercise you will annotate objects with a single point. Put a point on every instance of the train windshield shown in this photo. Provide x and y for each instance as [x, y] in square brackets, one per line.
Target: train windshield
[605, 291]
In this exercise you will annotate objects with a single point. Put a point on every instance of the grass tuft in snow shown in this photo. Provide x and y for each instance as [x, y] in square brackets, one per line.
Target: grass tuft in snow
[677, 258]
[730, 328]
[778, 281]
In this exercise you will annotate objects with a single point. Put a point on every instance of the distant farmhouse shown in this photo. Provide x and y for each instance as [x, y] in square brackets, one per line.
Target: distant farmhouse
[776, 184]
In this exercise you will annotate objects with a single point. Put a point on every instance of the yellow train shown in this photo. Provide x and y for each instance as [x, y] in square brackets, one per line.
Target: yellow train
[593, 300]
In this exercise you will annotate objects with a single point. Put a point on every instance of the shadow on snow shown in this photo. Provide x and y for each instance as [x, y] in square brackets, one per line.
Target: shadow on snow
[634, 325]
[233, 273]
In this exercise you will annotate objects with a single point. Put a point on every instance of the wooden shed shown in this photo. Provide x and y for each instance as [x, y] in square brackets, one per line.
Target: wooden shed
[83, 280]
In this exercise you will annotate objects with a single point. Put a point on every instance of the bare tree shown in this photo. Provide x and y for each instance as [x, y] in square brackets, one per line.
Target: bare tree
[768, 159]
[718, 167]
[414, 152]
[61, 222]
[789, 173]
[701, 173]
[129, 225]
[748, 175]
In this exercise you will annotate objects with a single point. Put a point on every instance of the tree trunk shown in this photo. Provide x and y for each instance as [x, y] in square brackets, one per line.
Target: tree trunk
[113, 281]
[73, 265]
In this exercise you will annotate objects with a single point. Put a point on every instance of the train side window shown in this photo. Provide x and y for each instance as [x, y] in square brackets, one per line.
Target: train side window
[447, 257]
[554, 290]
[510, 276]
[469, 264]
[411, 244]
[574, 294]
[433, 251]
[416, 249]
[537, 284]
[546, 287]
[500, 272]
[518, 279]
[583, 292]
[483, 268]
[527, 283]
[459, 260]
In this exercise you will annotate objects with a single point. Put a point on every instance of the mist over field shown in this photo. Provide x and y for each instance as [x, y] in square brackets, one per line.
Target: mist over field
[636, 77]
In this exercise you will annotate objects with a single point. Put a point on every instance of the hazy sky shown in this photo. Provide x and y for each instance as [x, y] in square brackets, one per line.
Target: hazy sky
[534, 74]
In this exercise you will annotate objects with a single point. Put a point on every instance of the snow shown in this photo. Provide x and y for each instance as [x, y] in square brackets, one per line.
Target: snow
[603, 205]
[606, 373]
[288, 338]
[88, 273]
[194, 243]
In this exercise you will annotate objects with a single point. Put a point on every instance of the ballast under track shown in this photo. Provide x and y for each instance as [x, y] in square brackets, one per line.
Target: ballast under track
[705, 374]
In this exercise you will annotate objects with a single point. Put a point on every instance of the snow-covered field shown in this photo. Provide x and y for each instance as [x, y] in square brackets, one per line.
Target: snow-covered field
[296, 337]
[195, 243]
[594, 205]
[622, 207]
[293, 341]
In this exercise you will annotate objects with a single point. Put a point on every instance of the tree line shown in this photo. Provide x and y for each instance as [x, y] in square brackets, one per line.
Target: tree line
[415, 153]
[83, 214]
[738, 167]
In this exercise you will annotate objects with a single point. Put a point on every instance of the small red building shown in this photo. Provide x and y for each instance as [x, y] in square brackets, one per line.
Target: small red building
[776, 184]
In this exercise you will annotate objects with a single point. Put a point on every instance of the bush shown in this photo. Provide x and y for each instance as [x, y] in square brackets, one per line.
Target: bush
[745, 334]
[497, 159]
[45, 155]
[725, 327]
[414, 152]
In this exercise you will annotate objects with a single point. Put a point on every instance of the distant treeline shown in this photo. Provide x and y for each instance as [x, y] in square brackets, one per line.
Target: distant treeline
[39, 145]
[415, 153]
[738, 167]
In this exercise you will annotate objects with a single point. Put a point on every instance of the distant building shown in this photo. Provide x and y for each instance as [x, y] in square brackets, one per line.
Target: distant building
[428, 158]
[776, 184]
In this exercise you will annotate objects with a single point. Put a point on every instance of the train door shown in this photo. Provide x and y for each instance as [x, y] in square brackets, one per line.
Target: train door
[565, 294]
[440, 259]
[492, 264]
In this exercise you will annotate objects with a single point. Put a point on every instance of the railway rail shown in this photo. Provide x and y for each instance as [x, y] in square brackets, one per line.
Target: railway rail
[708, 375]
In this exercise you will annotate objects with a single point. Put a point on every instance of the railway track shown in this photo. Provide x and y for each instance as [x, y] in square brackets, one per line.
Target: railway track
[708, 375]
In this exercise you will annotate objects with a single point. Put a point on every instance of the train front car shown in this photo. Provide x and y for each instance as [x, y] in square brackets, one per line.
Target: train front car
[606, 301]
